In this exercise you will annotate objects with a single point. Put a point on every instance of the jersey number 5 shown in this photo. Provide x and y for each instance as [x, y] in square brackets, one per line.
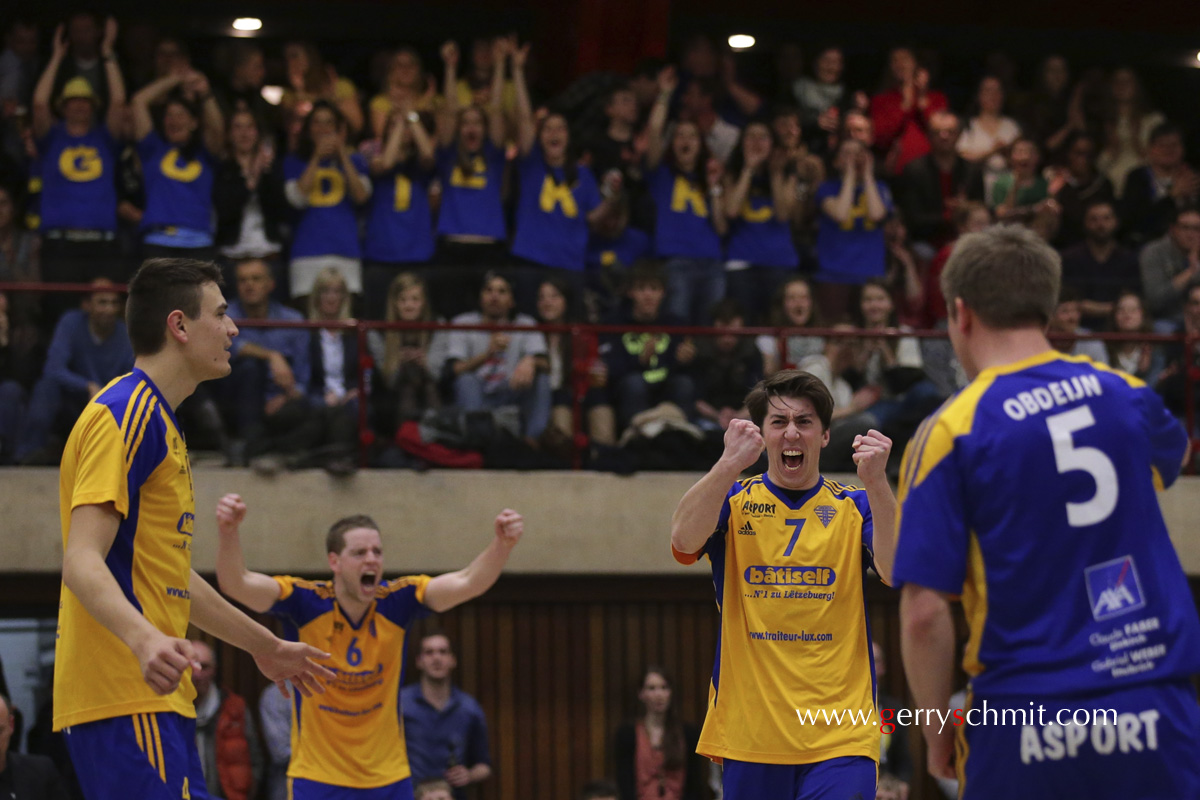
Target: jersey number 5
[1068, 458]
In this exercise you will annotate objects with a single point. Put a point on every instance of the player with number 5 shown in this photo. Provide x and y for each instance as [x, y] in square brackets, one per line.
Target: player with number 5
[350, 744]
[1031, 495]
[789, 550]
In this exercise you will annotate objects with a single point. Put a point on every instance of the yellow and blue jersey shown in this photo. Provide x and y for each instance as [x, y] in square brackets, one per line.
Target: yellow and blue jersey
[353, 734]
[1031, 494]
[789, 577]
[126, 449]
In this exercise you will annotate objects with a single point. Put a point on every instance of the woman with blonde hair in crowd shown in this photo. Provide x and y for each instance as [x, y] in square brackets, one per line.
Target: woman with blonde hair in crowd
[333, 387]
[408, 362]
[656, 752]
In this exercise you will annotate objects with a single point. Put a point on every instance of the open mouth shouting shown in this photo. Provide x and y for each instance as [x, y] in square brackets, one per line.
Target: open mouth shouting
[793, 459]
[368, 581]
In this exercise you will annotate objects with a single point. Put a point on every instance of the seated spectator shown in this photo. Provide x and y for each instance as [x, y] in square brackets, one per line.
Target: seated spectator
[326, 181]
[989, 133]
[645, 369]
[1065, 329]
[333, 385]
[265, 394]
[1129, 121]
[1172, 381]
[1168, 265]
[405, 88]
[613, 248]
[226, 737]
[311, 80]
[503, 367]
[1019, 194]
[1099, 267]
[178, 165]
[902, 111]
[933, 186]
[1139, 359]
[470, 166]
[76, 160]
[444, 727]
[656, 752]
[759, 196]
[248, 198]
[400, 221]
[25, 776]
[905, 273]
[850, 243]
[682, 179]
[1076, 187]
[408, 363]
[1154, 193]
[275, 714]
[20, 260]
[433, 789]
[793, 307]
[90, 347]
[726, 367]
[558, 199]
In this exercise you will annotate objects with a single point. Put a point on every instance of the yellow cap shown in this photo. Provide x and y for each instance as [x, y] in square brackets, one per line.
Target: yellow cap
[77, 87]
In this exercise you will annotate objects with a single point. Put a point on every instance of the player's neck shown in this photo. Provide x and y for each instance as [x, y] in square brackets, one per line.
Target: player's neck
[170, 374]
[353, 608]
[1001, 347]
[800, 484]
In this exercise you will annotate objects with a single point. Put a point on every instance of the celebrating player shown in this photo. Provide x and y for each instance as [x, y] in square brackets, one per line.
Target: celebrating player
[122, 691]
[1031, 494]
[788, 552]
[351, 744]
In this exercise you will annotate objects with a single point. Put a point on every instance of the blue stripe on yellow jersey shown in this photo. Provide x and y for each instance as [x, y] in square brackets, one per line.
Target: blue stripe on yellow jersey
[353, 735]
[126, 449]
[1031, 494]
[789, 580]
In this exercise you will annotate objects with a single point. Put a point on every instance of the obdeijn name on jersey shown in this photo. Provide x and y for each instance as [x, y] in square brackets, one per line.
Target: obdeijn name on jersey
[790, 576]
[1058, 393]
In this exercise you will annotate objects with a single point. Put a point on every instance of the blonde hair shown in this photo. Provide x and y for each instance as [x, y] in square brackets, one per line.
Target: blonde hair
[393, 340]
[326, 278]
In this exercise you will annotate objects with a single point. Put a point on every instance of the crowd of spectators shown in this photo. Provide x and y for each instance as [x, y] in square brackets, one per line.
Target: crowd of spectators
[684, 194]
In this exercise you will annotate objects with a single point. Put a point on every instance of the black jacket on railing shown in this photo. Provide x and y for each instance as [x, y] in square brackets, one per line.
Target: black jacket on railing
[230, 196]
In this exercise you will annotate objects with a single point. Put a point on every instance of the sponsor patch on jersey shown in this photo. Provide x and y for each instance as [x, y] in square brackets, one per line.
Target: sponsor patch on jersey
[1113, 588]
[790, 576]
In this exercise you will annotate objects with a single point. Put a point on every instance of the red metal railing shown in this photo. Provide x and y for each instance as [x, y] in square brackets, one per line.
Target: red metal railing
[585, 339]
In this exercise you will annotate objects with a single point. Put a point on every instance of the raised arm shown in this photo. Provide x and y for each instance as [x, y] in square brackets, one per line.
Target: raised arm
[497, 124]
[212, 119]
[143, 122]
[696, 516]
[610, 191]
[448, 118]
[254, 590]
[114, 118]
[43, 116]
[876, 209]
[657, 124]
[426, 147]
[871, 454]
[783, 187]
[454, 588]
[389, 157]
[358, 184]
[838, 208]
[526, 130]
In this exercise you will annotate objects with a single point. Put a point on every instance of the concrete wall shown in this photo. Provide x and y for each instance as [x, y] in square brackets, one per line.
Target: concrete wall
[576, 522]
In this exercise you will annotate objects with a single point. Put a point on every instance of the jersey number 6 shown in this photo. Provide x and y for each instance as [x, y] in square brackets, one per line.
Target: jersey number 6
[1068, 458]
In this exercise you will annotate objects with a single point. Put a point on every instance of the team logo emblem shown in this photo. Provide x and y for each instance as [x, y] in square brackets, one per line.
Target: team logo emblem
[826, 514]
[1113, 588]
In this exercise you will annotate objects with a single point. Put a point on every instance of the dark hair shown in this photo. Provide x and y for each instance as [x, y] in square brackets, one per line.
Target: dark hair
[760, 182]
[643, 272]
[563, 288]
[570, 165]
[1068, 293]
[649, 67]
[674, 748]
[790, 383]
[306, 145]
[196, 140]
[163, 285]
[698, 177]
[595, 790]
[1112, 204]
[429, 634]
[335, 540]
[882, 285]
[1164, 129]
[1176, 212]
[727, 310]
[778, 317]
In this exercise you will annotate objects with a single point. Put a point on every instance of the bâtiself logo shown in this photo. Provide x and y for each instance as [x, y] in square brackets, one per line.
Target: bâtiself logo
[789, 576]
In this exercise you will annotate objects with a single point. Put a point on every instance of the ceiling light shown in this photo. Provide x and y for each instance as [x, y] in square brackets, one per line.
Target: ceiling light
[247, 24]
[741, 41]
[273, 94]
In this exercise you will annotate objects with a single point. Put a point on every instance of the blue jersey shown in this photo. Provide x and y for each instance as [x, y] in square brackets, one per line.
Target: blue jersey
[682, 227]
[622, 251]
[852, 251]
[759, 237]
[1031, 493]
[552, 226]
[79, 179]
[471, 201]
[400, 224]
[178, 190]
[327, 226]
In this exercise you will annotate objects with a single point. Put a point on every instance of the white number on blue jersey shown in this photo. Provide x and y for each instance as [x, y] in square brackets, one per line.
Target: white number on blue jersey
[1068, 458]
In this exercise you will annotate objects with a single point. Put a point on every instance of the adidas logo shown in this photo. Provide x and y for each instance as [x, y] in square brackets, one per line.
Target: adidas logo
[746, 530]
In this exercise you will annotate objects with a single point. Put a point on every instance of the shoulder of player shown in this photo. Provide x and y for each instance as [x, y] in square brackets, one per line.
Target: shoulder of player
[387, 588]
[319, 589]
[743, 485]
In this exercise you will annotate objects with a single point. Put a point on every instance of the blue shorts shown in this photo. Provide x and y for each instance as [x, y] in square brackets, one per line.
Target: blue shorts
[304, 789]
[846, 778]
[147, 756]
[1151, 752]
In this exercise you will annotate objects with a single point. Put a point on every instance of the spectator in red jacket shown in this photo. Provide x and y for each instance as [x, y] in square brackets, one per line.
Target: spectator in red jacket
[225, 734]
[901, 112]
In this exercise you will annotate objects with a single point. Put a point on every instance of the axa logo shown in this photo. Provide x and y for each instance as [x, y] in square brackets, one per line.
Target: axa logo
[187, 521]
[790, 576]
[746, 530]
[758, 509]
[1113, 588]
